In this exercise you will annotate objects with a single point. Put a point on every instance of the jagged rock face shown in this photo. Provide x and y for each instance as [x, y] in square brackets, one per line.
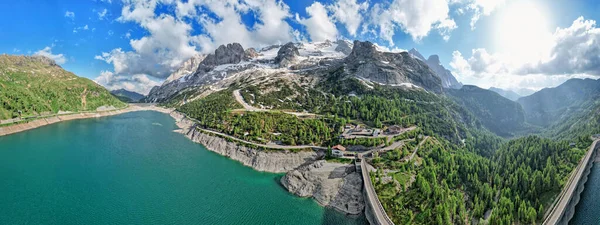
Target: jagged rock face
[448, 80]
[388, 68]
[225, 54]
[416, 54]
[274, 162]
[287, 55]
[250, 54]
[332, 184]
[343, 47]
[188, 67]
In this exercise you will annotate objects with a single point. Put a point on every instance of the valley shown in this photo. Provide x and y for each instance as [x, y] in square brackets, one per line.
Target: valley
[427, 146]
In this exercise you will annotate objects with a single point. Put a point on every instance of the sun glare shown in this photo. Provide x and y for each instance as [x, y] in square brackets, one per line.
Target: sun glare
[522, 32]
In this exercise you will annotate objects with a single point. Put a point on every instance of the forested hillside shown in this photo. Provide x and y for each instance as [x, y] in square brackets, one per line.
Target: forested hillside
[32, 85]
[551, 105]
[456, 167]
[500, 115]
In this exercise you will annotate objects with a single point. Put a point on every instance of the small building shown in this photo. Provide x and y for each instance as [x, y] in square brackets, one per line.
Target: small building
[349, 126]
[337, 153]
[376, 132]
[572, 144]
[339, 147]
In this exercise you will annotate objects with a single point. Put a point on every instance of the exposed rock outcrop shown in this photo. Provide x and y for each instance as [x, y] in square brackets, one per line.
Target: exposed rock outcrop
[225, 54]
[343, 47]
[332, 184]
[389, 68]
[268, 161]
[448, 79]
[286, 55]
[250, 54]
[188, 67]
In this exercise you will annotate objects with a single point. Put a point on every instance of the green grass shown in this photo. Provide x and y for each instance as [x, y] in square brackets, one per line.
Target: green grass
[30, 86]
[340, 160]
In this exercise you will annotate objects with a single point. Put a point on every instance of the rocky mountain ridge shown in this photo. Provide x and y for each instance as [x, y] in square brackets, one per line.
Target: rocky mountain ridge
[448, 79]
[506, 93]
[230, 64]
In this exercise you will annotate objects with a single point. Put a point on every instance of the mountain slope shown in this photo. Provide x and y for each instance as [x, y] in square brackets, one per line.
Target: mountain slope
[506, 93]
[500, 115]
[34, 85]
[551, 105]
[127, 96]
[395, 69]
[448, 80]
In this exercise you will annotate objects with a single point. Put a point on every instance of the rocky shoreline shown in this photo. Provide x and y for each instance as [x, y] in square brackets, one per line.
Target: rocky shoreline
[333, 185]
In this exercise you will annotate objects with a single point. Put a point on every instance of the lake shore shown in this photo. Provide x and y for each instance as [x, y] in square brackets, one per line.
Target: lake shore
[16, 128]
[334, 193]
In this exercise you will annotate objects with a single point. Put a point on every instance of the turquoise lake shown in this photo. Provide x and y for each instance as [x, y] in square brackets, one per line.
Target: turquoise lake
[587, 211]
[133, 169]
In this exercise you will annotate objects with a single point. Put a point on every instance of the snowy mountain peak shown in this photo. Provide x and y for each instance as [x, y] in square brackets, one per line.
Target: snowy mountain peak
[188, 67]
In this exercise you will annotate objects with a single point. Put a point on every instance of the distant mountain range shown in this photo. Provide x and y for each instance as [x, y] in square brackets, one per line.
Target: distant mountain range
[127, 96]
[551, 105]
[506, 93]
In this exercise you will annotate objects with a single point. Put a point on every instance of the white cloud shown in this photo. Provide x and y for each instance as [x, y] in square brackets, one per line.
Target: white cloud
[102, 14]
[70, 15]
[416, 18]
[576, 49]
[478, 8]
[139, 83]
[270, 28]
[349, 13]
[574, 53]
[319, 25]
[47, 52]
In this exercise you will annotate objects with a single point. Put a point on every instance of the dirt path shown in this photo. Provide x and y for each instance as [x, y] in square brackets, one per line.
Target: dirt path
[84, 98]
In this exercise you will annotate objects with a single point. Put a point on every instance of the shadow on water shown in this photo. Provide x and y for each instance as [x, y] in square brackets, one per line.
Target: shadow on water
[333, 217]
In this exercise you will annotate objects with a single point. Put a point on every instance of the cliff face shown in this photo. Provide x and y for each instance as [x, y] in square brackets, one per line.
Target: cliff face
[331, 184]
[274, 162]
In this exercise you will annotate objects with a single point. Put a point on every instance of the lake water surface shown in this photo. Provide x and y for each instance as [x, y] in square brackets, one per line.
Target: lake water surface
[133, 169]
[587, 211]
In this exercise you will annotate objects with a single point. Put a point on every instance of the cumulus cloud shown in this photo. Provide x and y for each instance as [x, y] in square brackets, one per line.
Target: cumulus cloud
[70, 15]
[478, 8]
[47, 52]
[270, 27]
[574, 53]
[416, 18]
[349, 13]
[102, 14]
[576, 49]
[139, 83]
[319, 26]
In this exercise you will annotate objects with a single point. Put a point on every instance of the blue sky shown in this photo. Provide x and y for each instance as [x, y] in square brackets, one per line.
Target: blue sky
[134, 44]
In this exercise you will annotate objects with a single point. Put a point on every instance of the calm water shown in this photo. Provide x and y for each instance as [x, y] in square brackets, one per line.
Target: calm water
[132, 169]
[587, 212]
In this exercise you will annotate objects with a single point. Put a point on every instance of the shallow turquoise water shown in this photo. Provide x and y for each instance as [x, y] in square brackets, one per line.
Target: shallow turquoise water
[132, 169]
[587, 211]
